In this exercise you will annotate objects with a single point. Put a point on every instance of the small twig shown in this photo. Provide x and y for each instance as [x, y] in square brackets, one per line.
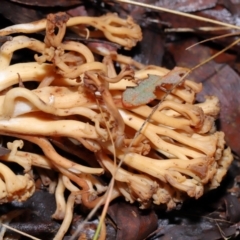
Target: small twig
[111, 185]
[217, 54]
[208, 218]
[221, 231]
[214, 38]
[153, 233]
[199, 29]
[89, 216]
[20, 232]
[108, 193]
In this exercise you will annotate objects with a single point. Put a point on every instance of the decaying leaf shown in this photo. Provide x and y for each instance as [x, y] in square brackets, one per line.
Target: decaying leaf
[186, 5]
[139, 223]
[46, 3]
[173, 77]
[195, 232]
[232, 208]
[144, 92]
[19, 13]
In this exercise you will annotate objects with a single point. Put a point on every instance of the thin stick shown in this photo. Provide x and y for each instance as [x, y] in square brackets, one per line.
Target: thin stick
[178, 13]
[198, 29]
[214, 38]
[89, 216]
[108, 193]
[20, 232]
[217, 54]
[111, 185]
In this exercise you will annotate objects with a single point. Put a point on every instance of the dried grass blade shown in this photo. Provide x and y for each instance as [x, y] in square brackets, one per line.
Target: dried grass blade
[20, 232]
[179, 13]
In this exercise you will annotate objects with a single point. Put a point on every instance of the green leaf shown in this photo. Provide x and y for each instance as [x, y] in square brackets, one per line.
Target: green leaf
[145, 91]
[141, 94]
